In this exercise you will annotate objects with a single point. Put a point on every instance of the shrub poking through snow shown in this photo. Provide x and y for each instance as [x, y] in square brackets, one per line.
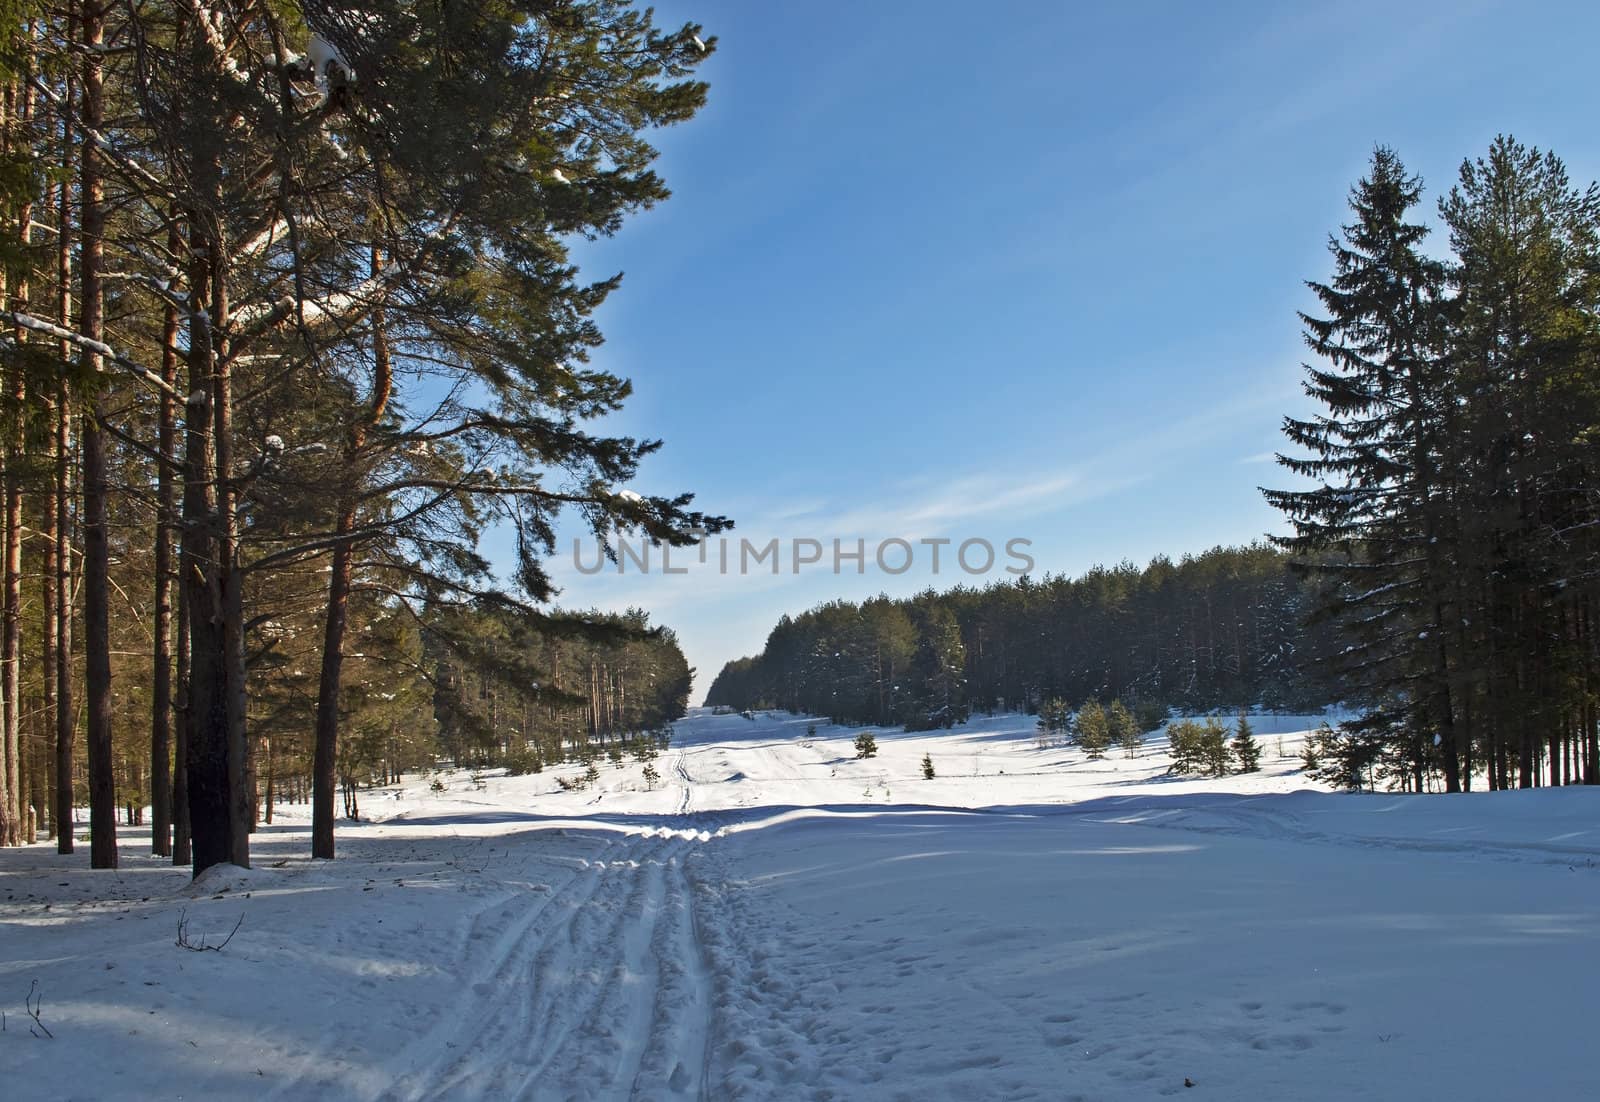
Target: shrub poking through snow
[866, 745]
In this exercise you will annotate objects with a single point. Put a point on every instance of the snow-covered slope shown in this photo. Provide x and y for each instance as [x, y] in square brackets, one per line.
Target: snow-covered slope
[777, 919]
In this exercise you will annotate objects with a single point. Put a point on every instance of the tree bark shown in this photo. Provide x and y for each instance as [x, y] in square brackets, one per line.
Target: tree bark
[205, 715]
[11, 620]
[66, 726]
[97, 560]
[161, 794]
[182, 853]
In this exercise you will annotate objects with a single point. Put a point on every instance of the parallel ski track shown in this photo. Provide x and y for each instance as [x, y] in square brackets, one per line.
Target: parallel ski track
[598, 989]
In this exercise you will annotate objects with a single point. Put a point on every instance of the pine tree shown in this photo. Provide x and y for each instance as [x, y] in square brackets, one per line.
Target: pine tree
[866, 745]
[1214, 753]
[1246, 751]
[1184, 744]
[927, 767]
[1094, 732]
[1124, 730]
[1524, 325]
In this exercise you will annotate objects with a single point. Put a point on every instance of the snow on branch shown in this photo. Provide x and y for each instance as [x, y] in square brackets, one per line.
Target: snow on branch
[99, 348]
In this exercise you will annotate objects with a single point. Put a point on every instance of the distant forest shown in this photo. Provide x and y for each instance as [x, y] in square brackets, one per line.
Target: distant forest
[1223, 629]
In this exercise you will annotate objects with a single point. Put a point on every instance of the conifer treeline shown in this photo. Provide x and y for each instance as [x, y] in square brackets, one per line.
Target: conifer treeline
[1221, 629]
[1455, 521]
[288, 321]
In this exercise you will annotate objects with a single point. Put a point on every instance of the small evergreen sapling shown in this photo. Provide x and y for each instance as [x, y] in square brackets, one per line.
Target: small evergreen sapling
[1124, 730]
[866, 745]
[1055, 723]
[1214, 747]
[1043, 739]
[1094, 733]
[1245, 748]
[1311, 749]
[651, 777]
[927, 767]
[1183, 739]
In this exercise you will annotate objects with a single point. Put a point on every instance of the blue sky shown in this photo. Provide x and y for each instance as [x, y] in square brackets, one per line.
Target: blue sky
[1024, 271]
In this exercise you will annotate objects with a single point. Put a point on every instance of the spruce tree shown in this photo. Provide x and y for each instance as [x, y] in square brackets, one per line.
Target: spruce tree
[1246, 751]
[927, 767]
[866, 745]
[1377, 528]
[1214, 753]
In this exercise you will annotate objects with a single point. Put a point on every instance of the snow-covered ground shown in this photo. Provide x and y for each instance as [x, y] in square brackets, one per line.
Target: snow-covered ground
[777, 919]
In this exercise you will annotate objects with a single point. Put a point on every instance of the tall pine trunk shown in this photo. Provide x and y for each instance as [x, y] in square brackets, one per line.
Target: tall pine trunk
[96, 548]
[161, 792]
[17, 446]
[325, 756]
[182, 853]
[205, 717]
[66, 728]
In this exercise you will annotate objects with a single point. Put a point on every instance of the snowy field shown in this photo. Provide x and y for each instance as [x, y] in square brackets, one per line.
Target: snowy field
[778, 920]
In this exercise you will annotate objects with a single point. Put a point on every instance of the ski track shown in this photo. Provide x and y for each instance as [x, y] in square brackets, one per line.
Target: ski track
[597, 988]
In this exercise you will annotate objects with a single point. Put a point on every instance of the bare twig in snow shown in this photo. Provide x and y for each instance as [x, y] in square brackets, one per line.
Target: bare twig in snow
[183, 941]
[35, 1003]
